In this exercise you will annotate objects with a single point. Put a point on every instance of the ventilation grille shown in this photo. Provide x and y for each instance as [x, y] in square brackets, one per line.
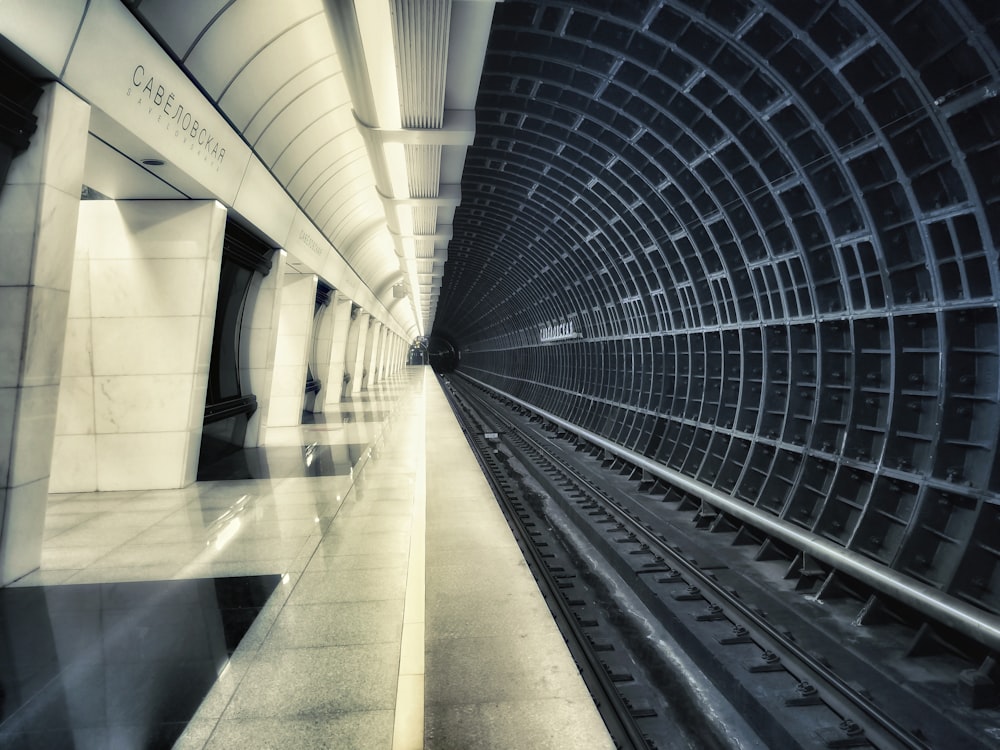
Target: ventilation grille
[421, 29]
[423, 164]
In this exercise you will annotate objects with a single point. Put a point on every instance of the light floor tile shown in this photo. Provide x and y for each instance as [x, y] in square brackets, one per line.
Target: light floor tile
[317, 682]
[343, 542]
[320, 562]
[350, 586]
[347, 623]
[320, 666]
[363, 730]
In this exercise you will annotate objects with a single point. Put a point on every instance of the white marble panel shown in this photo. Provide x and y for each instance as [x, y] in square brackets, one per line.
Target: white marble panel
[198, 392]
[296, 317]
[147, 287]
[260, 306]
[18, 212]
[75, 415]
[144, 346]
[210, 289]
[142, 403]
[78, 357]
[34, 428]
[100, 232]
[153, 229]
[257, 349]
[263, 198]
[8, 407]
[45, 337]
[285, 411]
[79, 292]
[24, 510]
[203, 346]
[129, 461]
[189, 468]
[91, 216]
[66, 122]
[55, 238]
[74, 464]
[289, 381]
[180, 229]
[290, 350]
[63, 120]
[14, 303]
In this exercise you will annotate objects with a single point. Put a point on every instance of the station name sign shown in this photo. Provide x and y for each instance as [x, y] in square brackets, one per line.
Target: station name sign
[557, 332]
[171, 114]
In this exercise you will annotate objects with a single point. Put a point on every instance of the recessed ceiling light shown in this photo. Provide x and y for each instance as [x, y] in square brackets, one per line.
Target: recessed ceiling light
[153, 162]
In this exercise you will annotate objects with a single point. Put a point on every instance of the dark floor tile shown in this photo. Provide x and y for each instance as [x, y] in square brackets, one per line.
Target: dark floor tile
[118, 664]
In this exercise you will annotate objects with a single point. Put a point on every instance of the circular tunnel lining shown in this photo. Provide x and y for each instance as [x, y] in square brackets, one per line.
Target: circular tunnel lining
[771, 230]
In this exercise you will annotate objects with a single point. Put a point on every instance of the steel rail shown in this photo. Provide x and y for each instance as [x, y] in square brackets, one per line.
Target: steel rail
[883, 722]
[967, 619]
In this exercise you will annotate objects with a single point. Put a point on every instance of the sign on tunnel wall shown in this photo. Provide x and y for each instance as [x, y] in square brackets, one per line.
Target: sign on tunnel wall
[558, 332]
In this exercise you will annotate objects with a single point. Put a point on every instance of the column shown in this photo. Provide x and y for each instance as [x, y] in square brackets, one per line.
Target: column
[138, 345]
[260, 330]
[319, 359]
[371, 352]
[291, 356]
[358, 368]
[340, 312]
[358, 323]
[379, 354]
[39, 207]
[383, 366]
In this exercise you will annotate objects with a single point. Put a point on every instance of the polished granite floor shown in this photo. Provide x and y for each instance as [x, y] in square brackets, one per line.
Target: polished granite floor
[336, 655]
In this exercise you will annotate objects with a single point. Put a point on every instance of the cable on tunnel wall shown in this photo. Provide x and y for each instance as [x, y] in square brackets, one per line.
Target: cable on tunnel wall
[771, 228]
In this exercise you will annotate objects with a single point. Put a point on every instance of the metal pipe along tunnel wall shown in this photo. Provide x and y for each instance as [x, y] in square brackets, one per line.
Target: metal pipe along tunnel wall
[771, 228]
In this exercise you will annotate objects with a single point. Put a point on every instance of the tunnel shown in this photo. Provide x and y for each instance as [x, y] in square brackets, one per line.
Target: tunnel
[500, 373]
[755, 244]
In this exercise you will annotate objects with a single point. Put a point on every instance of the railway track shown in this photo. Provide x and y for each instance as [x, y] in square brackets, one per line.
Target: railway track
[574, 530]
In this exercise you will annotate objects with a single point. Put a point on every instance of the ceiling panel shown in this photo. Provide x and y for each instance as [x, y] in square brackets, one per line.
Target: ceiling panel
[278, 66]
[179, 22]
[240, 33]
[274, 70]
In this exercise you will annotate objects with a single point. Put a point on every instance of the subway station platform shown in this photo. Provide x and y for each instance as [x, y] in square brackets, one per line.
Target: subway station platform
[352, 584]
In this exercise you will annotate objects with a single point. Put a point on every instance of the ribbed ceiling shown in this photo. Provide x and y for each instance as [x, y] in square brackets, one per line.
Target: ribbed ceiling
[773, 229]
[799, 137]
[327, 129]
[273, 70]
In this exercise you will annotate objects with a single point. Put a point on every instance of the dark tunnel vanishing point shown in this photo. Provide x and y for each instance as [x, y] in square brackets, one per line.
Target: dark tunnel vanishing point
[756, 243]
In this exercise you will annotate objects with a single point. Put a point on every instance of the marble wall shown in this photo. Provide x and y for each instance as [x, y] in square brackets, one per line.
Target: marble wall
[291, 356]
[371, 351]
[351, 354]
[398, 353]
[383, 337]
[358, 367]
[319, 356]
[340, 313]
[138, 345]
[259, 341]
[38, 218]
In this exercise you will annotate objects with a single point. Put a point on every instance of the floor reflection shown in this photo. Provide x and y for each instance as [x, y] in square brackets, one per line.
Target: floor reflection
[345, 416]
[278, 462]
[116, 664]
